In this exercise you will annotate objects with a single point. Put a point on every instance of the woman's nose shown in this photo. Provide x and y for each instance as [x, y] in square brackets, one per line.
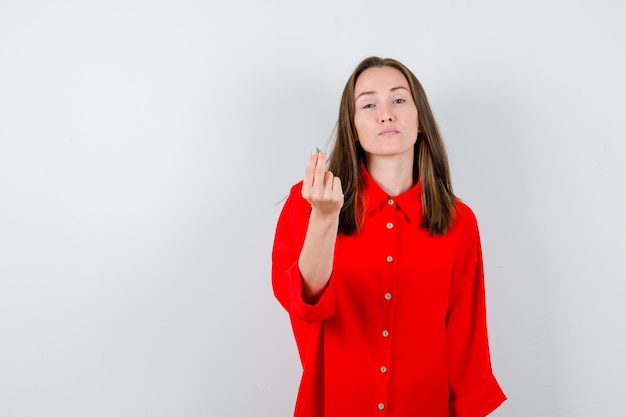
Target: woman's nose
[385, 114]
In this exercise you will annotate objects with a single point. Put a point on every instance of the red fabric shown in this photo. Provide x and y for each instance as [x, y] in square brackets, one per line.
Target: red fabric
[419, 314]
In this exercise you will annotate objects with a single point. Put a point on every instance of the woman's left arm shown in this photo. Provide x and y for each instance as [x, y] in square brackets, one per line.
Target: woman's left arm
[474, 390]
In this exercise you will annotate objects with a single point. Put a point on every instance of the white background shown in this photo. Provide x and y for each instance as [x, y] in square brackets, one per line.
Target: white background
[145, 147]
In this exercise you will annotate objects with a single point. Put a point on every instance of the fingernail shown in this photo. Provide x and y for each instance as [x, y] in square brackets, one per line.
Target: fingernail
[314, 150]
[323, 149]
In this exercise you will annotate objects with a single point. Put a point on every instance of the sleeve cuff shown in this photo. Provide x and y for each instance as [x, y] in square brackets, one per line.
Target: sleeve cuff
[479, 403]
[322, 309]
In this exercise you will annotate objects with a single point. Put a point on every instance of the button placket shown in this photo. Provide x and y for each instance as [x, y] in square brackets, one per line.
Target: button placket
[389, 245]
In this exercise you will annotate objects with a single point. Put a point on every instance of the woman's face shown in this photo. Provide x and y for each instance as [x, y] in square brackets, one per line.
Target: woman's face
[385, 114]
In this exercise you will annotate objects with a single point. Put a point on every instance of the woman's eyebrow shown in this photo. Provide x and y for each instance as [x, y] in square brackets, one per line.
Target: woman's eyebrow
[366, 93]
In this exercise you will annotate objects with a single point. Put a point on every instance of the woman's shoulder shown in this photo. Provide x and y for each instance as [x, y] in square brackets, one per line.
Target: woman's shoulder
[296, 189]
[295, 193]
[464, 216]
[295, 199]
[295, 210]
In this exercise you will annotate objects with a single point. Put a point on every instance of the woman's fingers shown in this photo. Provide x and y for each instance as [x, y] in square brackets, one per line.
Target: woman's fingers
[332, 187]
[337, 189]
[309, 172]
[320, 187]
[320, 169]
[315, 167]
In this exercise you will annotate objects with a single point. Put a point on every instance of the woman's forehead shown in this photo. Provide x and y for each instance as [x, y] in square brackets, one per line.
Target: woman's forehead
[379, 80]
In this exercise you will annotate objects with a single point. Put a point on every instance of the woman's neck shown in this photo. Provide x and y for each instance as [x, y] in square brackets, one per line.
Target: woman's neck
[393, 175]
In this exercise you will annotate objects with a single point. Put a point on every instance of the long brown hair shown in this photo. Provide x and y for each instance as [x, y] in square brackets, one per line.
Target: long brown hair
[430, 163]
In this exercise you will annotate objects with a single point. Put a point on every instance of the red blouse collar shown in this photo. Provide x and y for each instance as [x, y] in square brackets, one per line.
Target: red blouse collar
[408, 202]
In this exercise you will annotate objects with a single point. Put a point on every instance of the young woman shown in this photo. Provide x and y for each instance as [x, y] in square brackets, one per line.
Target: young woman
[379, 265]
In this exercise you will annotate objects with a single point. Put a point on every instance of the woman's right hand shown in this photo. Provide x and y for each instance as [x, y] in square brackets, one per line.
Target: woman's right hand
[320, 187]
[323, 191]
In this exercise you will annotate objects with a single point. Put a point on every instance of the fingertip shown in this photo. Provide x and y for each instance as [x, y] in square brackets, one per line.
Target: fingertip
[314, 150]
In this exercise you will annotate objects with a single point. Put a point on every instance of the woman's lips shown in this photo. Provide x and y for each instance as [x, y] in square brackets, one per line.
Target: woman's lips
[388, 132]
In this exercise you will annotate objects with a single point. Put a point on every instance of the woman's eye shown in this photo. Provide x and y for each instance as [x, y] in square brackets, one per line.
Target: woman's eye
[399, 101]
[368, 106]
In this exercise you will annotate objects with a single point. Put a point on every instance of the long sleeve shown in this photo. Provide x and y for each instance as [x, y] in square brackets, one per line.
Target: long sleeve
[474, 391]
[286, 277]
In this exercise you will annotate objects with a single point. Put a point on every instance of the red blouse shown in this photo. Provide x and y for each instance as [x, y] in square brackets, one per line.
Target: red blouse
[400, 330]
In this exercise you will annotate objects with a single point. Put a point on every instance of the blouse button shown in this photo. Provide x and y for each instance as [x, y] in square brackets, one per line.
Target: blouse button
[389, 225]
[389, 259]
[390, 202]
[381, 406]
[383, 369]
[388, 296]
[385, 333]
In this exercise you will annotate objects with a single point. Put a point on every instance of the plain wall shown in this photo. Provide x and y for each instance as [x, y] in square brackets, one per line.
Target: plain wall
[145, 148]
